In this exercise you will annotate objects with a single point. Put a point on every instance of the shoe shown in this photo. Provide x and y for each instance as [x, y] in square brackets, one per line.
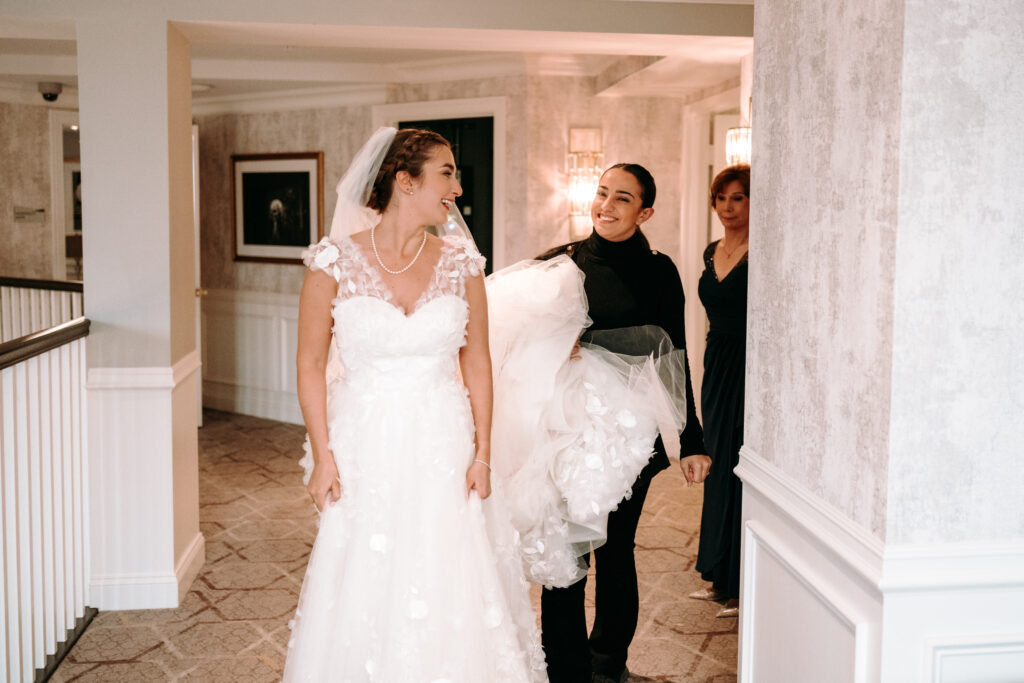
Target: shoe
[603, 678]
[709, 594]
[727, 612]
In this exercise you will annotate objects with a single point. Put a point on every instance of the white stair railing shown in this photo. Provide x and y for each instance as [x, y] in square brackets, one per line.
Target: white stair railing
[43, 490]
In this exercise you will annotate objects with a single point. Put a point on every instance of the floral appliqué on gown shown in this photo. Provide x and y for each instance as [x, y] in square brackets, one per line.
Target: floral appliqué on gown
[408, 580]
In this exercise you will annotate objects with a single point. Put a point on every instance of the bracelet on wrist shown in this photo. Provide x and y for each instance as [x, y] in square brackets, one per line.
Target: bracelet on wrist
[484, 463]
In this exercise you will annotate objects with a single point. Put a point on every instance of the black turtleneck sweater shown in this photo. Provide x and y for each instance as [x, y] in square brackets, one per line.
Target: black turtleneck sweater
[629, 284]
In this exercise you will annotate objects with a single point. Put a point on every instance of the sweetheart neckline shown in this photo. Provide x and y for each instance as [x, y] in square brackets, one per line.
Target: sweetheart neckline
[395, 307]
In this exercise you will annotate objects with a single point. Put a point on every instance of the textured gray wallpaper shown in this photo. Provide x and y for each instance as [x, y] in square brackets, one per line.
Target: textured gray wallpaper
[823, 225]
[955, 471]
[24, 182]
[539, 113]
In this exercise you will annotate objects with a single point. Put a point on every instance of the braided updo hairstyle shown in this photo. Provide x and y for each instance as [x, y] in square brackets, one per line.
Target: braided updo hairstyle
[408, 152]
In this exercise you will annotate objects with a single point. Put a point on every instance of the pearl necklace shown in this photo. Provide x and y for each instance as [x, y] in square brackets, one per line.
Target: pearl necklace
[373, 243]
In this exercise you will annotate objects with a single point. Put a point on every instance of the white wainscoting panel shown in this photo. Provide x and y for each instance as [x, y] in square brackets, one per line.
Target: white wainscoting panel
[811, 609]
[249, 344]
[135, 509]
[984, 661]
[824, 600]
[954, 613]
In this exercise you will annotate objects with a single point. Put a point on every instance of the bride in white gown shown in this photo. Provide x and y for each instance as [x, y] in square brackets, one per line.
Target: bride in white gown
[412, 576]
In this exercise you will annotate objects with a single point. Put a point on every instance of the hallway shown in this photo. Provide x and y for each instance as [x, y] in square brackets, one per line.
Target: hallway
[259, 527]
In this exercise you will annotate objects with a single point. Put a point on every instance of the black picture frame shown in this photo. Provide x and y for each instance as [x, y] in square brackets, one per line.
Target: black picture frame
[278, 206]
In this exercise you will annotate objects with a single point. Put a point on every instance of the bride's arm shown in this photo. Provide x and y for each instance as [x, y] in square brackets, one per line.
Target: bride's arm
[475, 362]
[318, 290]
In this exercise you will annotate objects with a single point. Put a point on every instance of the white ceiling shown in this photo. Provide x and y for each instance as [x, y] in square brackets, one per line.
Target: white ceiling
[235, 61]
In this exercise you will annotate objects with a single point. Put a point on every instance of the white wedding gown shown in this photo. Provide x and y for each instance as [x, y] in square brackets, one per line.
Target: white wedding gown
[570, 435]
[408, 581]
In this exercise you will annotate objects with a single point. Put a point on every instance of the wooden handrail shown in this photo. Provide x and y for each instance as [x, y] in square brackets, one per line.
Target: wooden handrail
[62, 285]
[37, 343]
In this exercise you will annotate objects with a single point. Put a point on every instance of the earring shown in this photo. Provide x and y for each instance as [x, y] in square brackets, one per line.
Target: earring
[410, 192]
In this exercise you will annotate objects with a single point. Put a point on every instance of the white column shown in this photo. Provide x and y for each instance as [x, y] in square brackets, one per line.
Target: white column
[134, 97]
[883, 519]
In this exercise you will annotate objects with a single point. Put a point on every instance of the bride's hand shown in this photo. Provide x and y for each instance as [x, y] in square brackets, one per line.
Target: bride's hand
[324, 480]
[478, 478]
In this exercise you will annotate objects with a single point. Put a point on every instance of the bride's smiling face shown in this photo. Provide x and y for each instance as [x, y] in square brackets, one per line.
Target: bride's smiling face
[617, 208]
[437, 186]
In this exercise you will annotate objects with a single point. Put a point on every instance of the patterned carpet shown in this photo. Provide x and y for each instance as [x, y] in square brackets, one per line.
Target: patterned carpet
[259, 527]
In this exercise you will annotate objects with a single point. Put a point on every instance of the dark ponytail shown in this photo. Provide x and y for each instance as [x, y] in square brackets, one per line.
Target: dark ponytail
[647, 188]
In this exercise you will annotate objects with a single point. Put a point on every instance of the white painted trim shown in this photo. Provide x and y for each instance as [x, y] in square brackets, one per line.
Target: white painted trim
[225, 394]
[144, 377]
[156, 590]
[495, 107]
[190, 564]
[186, 366]
[455, 68]
[58, 120]
[851, 543]
[693, 233]
[941, 650]
[289, 100]
[893, 568]
[953, 566]
[759, 537]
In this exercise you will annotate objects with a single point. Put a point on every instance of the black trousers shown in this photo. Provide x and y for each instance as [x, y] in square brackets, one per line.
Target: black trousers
[572, 656]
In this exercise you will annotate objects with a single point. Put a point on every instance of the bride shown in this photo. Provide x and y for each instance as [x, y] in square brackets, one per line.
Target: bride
[412, 577]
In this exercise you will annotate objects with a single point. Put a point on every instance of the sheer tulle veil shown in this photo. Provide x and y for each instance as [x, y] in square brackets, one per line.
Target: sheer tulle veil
[351, 215]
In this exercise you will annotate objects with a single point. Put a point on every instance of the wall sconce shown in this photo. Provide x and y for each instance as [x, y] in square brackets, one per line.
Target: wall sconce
[585, 164]
[737, 140]
[737, 146]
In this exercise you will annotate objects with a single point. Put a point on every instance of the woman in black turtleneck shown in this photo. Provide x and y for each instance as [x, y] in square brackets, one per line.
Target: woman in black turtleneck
[627, 284]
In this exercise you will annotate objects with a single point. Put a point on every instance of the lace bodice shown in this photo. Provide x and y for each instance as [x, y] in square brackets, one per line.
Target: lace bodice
[356, 276]
[380, 347]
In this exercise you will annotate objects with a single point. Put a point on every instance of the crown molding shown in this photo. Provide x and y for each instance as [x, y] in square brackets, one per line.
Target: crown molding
[289, 100]
[459, 68]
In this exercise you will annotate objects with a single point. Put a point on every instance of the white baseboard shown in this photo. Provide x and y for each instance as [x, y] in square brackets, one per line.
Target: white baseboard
[233, 398]
[189, 565]
[134, 591]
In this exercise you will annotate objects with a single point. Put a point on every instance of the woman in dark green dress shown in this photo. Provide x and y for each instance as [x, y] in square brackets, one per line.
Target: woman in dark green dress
[723, 291]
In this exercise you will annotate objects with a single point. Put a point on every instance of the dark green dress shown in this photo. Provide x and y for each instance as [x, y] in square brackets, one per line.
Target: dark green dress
[718, 554]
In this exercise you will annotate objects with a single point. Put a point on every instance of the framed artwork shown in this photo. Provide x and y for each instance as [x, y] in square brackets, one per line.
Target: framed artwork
[72, 197]
[278, 206]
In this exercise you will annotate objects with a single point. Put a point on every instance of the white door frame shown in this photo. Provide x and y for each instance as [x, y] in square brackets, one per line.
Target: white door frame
[59, 120]
[200, 292]
[698, 158]
[391, 114]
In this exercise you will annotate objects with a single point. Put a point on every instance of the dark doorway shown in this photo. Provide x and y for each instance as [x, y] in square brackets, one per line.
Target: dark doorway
[473, 147]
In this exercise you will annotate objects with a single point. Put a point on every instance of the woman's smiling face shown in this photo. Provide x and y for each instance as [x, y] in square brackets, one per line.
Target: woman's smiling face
[438, 186]
[617, 209]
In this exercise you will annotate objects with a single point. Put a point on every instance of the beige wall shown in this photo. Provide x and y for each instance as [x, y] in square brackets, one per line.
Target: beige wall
[337, 132]
[25, 247]
[647, 131]
[539, 113]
